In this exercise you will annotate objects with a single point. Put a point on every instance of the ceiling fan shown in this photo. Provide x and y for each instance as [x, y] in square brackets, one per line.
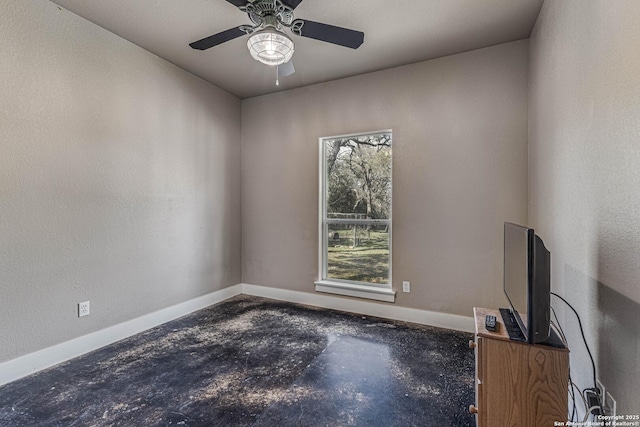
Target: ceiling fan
[268, 42]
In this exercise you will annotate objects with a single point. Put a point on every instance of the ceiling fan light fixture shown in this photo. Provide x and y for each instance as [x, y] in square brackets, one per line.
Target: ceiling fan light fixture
[270, 46]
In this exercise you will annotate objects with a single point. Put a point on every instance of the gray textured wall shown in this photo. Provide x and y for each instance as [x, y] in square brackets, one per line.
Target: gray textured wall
[119, 180]
[584, 179]
[460, 170]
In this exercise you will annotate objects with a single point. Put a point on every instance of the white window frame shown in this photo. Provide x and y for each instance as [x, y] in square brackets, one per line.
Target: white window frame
[375, 291]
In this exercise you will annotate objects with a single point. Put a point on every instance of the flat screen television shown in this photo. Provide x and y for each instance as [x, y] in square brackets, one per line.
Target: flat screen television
[527, 281]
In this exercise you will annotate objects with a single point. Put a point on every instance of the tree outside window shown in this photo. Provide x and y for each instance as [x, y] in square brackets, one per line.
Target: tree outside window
[356, 208]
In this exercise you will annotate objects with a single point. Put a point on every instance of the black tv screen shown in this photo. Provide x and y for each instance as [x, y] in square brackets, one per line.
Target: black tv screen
[527, 274]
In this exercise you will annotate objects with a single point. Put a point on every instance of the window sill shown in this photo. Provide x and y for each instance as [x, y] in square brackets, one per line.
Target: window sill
[354, 290]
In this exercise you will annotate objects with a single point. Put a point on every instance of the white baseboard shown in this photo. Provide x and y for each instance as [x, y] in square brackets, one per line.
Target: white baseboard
[387, 311]
[42, 359]
[50, 356]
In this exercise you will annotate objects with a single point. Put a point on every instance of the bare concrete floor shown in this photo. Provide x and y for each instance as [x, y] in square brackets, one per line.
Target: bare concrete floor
[257, 362]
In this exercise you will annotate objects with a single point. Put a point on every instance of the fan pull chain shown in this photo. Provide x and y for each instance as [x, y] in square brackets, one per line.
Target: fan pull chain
[277, 76]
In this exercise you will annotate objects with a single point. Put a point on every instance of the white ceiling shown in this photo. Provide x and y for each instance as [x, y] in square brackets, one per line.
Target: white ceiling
[397, 32]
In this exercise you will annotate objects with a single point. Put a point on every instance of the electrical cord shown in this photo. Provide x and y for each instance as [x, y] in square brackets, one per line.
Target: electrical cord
[586, 405]
[593, 364]
[573, 398]
[558, 327]
[589, 413]
[558, 330]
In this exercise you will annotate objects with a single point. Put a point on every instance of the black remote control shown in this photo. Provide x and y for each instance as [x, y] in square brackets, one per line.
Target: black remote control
[490, 323]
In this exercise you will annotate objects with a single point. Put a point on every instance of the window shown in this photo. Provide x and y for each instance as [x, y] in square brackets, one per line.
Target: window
[355, 216]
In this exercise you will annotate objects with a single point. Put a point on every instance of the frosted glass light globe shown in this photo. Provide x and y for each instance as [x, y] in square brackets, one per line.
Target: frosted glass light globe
[270, 47]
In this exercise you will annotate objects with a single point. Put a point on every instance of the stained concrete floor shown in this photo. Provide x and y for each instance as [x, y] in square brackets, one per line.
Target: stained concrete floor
[257, 362]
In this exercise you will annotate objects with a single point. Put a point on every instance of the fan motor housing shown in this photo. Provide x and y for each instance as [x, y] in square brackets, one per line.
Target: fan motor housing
[271, 13]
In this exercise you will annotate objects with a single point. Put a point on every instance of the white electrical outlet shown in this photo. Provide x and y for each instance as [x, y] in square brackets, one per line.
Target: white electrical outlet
[83, 309]
[406, 287]
[610, 403]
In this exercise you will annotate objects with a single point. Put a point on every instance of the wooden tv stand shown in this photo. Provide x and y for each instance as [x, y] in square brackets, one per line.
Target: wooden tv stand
[517, 384]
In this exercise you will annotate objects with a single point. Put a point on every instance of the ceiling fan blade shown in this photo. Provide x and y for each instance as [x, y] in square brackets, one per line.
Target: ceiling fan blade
[238, 3]
[286, 69]
[332, 34]
[291, 3]
[216, 39]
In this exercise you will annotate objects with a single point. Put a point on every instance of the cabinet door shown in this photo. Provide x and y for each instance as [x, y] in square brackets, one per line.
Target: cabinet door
[523, 385]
